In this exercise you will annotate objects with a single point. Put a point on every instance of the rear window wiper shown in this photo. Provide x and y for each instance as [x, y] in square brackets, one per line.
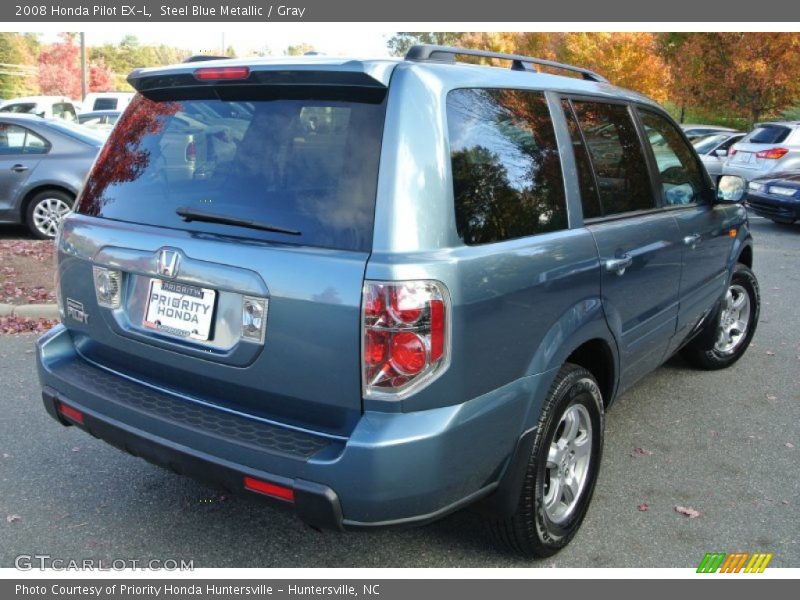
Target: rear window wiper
[191, 214]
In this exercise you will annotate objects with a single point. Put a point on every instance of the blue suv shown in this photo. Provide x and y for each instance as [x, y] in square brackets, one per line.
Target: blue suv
[379, 291]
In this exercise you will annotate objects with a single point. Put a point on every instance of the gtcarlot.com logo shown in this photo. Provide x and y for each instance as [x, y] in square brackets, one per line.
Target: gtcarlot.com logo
[42, 562]
[738, 562]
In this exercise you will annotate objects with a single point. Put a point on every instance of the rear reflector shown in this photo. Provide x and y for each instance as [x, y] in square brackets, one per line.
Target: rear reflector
[269, 489]
[215, 73]
[70, 413]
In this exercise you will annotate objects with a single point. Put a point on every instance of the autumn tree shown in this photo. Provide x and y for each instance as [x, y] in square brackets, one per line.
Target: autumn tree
[59, 68]
[18, 64]
[627, 59]
[752, 74]
[100, 77]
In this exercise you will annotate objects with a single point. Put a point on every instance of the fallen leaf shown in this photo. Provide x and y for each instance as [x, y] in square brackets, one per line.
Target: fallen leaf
[770, 353]
[13, 518]
[789, 445]
[76, 449]
[784, 502]
[771, 397]
[643, 507]
[687, 511]
[6, 455]
[642, 452]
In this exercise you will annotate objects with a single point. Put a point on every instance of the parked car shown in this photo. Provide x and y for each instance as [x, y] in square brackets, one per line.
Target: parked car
[713, 150]
[769, 148]
[95, 101]
[776, 197]
[100, 120]
[693, 131]
[397, 287]
[48, 107]
[42, 167]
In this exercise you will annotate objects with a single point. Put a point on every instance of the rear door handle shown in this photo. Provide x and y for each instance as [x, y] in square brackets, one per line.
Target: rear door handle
[618, 265]
[19, 168]
[692, 240]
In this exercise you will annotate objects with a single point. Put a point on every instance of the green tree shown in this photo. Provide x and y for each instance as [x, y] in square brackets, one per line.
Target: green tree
[18, 68]
[400, 42]
[298, 49]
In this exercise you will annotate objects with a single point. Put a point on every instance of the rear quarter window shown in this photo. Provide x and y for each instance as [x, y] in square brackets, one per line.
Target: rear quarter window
[506, 169]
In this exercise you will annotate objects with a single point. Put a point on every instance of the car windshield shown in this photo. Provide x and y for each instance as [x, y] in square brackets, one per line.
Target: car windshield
[22, 107]
[768, 134]
[304, 161]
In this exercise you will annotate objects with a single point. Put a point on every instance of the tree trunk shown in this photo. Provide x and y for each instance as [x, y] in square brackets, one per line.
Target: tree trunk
[683, 112]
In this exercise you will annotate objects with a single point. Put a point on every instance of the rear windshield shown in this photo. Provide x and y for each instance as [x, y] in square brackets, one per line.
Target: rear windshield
[299, 162]
[768, 134]
[105, 104]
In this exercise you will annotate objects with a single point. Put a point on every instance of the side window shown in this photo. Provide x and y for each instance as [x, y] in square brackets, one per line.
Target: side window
[34, 144]
[678, 168]
[617, 157]
[507, 179]
[590, 199]
[18, 140]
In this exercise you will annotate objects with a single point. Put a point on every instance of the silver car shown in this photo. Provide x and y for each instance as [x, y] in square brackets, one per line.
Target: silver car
[769, 148]
[42, 167]
[713, 150]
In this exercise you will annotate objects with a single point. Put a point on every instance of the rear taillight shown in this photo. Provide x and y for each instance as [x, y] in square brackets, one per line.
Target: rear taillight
[772, 153]
[405, 336]
[191, 151]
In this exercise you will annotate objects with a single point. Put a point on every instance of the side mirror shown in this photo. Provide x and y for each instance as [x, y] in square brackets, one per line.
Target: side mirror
[731, 189]
[721, 152]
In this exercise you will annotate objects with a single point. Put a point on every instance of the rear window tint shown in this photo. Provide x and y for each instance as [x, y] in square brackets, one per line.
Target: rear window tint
[307, 165]
[105, 104]
[507, 179]
[768, 134]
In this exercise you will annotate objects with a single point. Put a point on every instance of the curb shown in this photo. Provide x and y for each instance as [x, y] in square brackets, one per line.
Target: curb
[31, 311]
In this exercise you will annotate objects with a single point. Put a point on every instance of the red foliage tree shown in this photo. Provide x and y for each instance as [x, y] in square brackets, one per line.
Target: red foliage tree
[124, 156]
[59, 68]
[99, 77]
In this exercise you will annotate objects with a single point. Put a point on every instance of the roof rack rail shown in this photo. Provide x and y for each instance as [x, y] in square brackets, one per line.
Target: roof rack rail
[204, 57]
[430, 52]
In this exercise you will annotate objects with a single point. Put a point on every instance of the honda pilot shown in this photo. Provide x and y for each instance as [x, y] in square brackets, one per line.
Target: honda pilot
[378, 291]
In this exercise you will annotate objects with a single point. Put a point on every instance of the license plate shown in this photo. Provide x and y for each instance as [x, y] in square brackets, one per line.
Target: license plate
[179, 310]
[745, 157]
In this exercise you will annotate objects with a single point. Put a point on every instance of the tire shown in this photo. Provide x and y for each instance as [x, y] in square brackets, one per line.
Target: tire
[722, 341]
[45, 212]
[547, 516]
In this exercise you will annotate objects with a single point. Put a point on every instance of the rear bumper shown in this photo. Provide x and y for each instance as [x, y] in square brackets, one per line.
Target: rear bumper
[773, 207]
[395, 469]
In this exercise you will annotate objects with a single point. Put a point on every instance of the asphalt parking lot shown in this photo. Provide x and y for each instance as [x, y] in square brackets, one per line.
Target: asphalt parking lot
[726, 444]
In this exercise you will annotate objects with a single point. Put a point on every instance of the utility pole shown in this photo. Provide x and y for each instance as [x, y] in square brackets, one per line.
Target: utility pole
[223, 44]
[83, 66]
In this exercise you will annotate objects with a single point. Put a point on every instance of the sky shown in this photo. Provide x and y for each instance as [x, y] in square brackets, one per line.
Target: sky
[245, 38]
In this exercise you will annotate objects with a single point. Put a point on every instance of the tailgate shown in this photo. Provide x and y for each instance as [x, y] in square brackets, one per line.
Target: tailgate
[305, 373]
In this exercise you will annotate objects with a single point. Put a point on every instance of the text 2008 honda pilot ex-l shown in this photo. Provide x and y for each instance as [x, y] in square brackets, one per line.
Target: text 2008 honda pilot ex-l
[379, 291]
